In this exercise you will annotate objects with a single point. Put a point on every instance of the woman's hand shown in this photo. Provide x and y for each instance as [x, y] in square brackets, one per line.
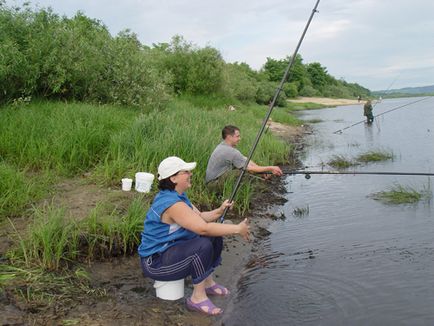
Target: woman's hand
[244, 229]
[225, 204]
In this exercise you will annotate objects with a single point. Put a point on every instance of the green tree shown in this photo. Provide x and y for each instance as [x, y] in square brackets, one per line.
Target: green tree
[239, 82]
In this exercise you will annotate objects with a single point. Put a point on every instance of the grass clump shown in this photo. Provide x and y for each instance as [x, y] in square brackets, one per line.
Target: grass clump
[53, 240]
[399, 194]
[340, 162]
[375, 156]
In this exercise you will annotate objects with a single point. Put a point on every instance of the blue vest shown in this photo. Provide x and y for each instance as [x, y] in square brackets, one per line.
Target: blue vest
[157, 236]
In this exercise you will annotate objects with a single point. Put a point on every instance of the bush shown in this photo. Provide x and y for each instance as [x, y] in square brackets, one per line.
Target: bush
[238, 83]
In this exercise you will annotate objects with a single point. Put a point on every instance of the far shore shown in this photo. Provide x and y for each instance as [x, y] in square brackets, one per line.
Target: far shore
[326, 101]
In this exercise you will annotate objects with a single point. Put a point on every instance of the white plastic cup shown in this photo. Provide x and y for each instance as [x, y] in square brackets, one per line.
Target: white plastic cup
[126, 184]
[144, 181]
[170, 290]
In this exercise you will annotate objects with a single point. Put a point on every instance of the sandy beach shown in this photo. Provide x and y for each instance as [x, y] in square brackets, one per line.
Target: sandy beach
[326, 101]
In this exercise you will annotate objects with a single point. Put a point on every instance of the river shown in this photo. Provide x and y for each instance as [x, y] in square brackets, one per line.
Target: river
[349, 259]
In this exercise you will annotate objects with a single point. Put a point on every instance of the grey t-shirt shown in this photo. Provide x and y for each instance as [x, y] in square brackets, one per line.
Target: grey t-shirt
[224, 158]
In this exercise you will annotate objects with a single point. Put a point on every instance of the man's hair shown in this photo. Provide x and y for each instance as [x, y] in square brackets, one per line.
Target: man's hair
[166, 184]
[229, 130]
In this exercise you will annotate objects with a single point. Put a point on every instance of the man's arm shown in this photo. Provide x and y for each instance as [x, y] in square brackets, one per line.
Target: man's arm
[255, 168]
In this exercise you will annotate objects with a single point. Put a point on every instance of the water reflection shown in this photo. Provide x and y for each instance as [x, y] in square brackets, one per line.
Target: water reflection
[369, 133]
[351, 260]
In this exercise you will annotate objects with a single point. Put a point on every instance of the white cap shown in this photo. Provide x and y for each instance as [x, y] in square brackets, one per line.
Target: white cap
[171, 165]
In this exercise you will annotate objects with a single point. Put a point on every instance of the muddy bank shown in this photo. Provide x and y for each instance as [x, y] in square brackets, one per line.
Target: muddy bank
[120, 295]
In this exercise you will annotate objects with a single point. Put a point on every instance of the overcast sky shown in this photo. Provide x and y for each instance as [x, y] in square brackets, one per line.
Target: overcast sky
[375, 43]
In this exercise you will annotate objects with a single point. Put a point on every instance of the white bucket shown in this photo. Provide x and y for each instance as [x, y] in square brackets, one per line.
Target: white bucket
[144, 181]
[171, 290]
[126, 184]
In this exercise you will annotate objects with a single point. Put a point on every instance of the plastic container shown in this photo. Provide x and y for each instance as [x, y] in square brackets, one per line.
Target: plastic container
[144, 181]
[171, 290]
[126, 184]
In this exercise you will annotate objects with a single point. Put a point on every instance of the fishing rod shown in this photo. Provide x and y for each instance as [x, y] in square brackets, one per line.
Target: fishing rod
[270, 109]
[399, 107]
[308, 173]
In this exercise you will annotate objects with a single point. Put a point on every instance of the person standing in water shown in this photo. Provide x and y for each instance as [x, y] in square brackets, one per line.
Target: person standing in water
[367, 111]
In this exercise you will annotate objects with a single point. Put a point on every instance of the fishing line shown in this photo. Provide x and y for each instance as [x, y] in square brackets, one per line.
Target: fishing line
[308, 173]
[270, 109]
[396, 108]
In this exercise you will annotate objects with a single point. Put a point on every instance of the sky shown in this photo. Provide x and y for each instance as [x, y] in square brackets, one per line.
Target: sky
[379, 44]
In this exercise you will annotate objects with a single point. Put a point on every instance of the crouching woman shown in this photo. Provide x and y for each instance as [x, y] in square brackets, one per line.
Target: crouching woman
[179, 241]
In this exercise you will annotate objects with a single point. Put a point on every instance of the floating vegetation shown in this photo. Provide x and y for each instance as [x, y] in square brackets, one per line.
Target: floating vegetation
[399, 194]
[301, 211]
[341, 162]
[375, 156]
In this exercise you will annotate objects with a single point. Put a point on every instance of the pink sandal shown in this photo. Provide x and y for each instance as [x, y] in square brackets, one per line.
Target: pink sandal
[206, 307]
[217, 289]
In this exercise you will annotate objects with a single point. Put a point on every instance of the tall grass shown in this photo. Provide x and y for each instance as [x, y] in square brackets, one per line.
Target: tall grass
[68, 138]
[18, 190]
[53, 240]
[191, 133]
[71, 139]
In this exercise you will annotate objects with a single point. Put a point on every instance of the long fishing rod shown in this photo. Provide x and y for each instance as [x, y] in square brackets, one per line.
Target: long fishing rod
[308, 173]
[399, 107]
[270, 109]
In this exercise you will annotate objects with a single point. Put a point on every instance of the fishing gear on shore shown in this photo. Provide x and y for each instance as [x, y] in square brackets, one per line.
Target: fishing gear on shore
[270, 109]
[399, 107]
[308, 173]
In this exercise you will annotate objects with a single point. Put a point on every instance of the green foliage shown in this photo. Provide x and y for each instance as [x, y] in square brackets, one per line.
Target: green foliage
[44, 55]
[266, 92]
[15, 191]
[239, 83]
[53, 239]
[311, 80]
[193, 70]
[68, 138]
[318, 75]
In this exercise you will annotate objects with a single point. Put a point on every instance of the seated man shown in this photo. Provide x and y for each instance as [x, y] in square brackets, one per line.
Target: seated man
[226, 157]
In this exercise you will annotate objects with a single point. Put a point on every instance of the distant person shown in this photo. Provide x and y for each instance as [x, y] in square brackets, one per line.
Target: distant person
[178, 240]
[359, 98]
[367, 111]
[226, 160]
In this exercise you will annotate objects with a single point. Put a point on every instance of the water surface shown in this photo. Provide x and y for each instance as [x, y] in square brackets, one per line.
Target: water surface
[351, 260]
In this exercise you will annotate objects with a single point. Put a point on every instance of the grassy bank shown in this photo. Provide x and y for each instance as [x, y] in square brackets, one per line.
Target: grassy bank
[45, 143]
